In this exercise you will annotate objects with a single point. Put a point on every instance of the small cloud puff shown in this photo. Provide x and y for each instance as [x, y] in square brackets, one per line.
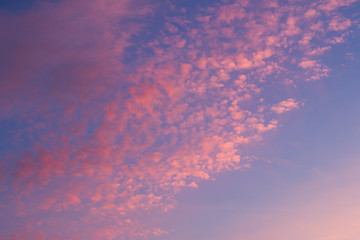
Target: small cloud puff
[285, 106]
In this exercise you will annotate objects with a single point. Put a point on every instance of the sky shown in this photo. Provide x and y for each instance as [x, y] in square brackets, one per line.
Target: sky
[179, 120]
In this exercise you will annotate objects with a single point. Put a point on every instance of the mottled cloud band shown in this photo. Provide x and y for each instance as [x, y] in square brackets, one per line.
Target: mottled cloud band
[113, 107]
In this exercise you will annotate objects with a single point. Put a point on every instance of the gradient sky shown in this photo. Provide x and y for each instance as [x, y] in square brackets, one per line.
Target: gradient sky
[179, 120]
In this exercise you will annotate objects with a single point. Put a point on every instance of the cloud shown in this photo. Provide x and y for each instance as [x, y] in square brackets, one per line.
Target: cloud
[72, 49]
[285, 106]
[339, 24]
[307, 64]
[331, 5]
[116, 122]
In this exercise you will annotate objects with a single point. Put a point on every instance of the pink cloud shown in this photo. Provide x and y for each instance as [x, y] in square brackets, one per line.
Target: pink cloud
[290, 27]
[285, 106]
[331, 5]
[55, 56]
[228, 13]
[319, 50]
[339, 24]
[311, 13]
[112, 140]
[307, 64]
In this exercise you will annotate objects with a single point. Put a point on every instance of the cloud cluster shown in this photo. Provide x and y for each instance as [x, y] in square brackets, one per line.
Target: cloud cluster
[114, 120]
